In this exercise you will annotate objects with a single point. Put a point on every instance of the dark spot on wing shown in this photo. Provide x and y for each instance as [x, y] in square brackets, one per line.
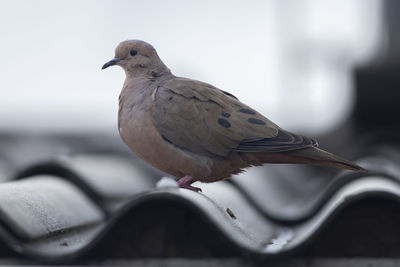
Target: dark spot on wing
[229, 94]
[247, 111]
[225, 114]
[224, 123]
[170, 98]
[155, 74]
[256, 121]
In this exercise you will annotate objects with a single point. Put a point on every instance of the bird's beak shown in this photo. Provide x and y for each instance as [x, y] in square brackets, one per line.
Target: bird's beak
[111, 63]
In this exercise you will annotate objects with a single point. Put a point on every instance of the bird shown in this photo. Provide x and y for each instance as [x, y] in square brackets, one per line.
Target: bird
[195, 131]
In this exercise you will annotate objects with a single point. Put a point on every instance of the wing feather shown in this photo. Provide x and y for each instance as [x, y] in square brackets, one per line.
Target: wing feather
[203, 119]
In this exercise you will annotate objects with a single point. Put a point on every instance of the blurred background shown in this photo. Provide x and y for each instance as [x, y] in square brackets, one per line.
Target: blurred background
[291, 60]
[327, 69]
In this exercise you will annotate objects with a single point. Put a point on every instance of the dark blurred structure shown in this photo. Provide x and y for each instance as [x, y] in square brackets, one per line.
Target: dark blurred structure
[377, 83]
[374, 120]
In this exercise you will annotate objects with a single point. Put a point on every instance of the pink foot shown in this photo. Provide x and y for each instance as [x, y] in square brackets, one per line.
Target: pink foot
[185, 182]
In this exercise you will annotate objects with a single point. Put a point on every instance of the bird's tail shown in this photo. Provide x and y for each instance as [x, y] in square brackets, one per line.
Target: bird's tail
[315, 156]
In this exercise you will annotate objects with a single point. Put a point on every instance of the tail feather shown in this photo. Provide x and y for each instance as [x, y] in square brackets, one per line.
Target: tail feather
[315, 156]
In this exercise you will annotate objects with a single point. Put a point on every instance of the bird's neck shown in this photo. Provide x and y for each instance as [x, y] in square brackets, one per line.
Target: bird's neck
[143, 71]
[139, 85]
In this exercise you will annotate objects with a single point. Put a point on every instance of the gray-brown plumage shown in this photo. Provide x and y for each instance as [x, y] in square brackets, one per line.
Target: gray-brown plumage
[195, 131]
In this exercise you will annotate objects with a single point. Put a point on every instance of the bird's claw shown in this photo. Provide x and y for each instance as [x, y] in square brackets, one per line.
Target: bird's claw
[186, 182]
[193, 188]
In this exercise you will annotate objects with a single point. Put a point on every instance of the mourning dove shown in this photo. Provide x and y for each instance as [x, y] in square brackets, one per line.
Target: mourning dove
[195, 131]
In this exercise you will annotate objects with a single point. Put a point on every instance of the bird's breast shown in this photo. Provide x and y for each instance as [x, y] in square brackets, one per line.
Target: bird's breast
[137, 130]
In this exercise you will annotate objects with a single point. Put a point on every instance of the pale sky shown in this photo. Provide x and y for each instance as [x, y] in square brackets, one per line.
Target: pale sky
[288, 60]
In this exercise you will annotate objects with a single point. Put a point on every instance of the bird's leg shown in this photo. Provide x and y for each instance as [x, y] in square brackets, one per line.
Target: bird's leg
[186, 181]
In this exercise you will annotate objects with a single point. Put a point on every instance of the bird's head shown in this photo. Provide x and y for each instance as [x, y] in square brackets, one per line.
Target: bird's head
[137, 57]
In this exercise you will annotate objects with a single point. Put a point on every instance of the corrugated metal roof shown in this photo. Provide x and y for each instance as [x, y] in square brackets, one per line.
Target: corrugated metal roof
[88, 198]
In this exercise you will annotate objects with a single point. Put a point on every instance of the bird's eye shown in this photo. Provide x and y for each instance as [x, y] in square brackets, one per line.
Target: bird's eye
[133, 52]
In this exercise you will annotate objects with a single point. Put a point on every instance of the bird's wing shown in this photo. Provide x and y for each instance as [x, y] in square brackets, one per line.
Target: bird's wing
[202, 119]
